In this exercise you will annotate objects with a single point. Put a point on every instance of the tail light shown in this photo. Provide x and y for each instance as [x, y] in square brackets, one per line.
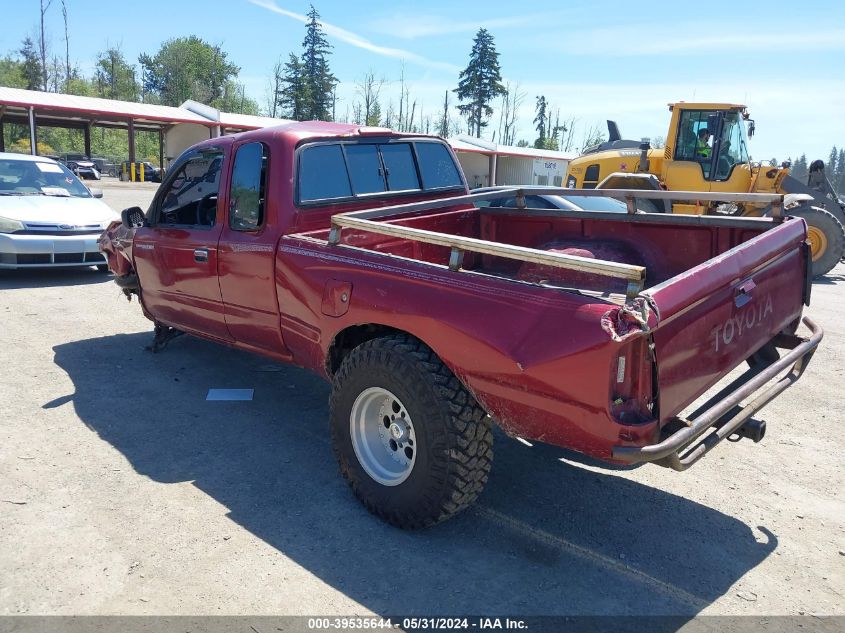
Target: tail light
[633, 381]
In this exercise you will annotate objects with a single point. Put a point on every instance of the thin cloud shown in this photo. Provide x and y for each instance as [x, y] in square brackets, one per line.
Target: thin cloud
[689, 41]
[353, 39]
[435, 25]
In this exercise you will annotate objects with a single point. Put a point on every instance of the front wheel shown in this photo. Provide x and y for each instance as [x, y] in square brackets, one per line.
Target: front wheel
[825, 235]
[411, 441]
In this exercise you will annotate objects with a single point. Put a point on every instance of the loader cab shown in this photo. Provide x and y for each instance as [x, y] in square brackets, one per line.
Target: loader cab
[715, 139]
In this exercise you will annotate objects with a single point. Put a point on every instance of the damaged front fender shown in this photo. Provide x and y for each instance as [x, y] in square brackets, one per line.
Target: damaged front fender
[116, 244]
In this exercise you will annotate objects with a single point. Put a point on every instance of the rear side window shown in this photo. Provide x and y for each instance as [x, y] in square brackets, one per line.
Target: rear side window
[246, 195]
[322, 174]
[437, 167]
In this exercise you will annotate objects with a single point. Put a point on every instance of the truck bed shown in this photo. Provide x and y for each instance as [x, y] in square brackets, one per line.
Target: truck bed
[641, 241]
[690, 296]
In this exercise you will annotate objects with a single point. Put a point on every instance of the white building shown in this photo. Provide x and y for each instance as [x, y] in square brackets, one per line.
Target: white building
[486, 164]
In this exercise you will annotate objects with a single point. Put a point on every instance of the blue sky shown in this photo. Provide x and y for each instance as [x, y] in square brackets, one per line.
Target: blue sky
[620, 60]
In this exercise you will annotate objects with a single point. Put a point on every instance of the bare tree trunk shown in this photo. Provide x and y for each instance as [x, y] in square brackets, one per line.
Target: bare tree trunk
[334, 102]
[43, 43]
[503, 114]
[274, 89]
[444, 123]
[516, 100]
[401, 96]
[67, 45]
[369, 89]
[567, 142]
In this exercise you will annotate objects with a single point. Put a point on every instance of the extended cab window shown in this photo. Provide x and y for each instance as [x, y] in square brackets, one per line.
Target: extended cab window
[191, 195]
[345, 170]
[437, 167]
[322, 174]
[246, 195]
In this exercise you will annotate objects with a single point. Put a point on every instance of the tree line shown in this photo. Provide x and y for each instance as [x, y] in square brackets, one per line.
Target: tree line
[301, 87]
[834, 168]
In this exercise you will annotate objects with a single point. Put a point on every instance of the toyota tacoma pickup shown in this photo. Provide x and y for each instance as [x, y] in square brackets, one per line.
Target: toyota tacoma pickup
[359, 254]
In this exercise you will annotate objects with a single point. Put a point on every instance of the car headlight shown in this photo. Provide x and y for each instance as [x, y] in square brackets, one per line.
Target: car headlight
[8, 225]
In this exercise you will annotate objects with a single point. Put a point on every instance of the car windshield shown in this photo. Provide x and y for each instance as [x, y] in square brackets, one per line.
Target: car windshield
[39, 178]
[596, 203]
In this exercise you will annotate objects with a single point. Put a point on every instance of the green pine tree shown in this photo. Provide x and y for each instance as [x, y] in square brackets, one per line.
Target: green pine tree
[318, 80]
[294, 94]
[480, 82]
[374, 119]
[799, 168]
[32, 69]
[830, 167]
[541, 121]
[838, 179]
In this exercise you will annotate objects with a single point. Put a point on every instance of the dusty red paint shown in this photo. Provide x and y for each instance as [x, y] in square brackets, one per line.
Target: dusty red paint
[544, 362]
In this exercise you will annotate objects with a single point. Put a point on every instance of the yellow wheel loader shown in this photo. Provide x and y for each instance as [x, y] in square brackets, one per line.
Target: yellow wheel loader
[707, 150]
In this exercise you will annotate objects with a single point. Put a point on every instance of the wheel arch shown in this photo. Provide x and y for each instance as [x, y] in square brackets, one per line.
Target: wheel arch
[351, 337]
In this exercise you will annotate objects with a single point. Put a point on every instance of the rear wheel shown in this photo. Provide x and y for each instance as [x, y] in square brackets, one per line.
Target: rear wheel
[825, 235]
[411, 441]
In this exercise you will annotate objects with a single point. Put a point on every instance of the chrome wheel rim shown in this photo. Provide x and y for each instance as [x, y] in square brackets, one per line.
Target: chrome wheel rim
[383, 436]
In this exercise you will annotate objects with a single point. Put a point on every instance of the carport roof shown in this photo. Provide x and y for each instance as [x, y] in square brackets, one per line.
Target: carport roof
[463, 143]
[85, 108]
[249, 121]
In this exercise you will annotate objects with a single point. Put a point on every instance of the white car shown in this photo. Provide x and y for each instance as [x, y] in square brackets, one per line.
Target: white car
[48, 218]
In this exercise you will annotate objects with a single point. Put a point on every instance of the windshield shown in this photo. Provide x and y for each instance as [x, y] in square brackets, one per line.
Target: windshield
[734, 145]
[39, 178]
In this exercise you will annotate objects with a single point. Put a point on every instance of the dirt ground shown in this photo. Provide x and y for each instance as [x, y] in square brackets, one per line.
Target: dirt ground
[123, 491]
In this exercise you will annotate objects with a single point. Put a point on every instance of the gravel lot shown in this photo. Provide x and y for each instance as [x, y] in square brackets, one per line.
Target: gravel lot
[122, 491]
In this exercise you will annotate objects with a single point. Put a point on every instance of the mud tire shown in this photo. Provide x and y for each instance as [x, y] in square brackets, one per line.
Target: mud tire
[453, 433]
[825, 222]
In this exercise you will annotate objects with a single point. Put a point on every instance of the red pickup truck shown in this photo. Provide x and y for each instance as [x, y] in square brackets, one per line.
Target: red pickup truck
[359, 254]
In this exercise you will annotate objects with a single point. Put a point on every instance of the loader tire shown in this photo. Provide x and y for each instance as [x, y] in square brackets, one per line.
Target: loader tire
[410, 440]
[826, 237]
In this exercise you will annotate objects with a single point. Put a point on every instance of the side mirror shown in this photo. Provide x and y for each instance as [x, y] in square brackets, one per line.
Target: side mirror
[751, 128]
[97, 193]
[133, 218]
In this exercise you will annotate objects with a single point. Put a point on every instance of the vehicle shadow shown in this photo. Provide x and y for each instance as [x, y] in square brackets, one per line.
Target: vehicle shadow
[546, 538]
[51, 277]
[830, 279]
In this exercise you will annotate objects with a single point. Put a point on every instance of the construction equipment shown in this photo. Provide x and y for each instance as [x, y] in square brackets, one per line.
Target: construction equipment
[707, 150]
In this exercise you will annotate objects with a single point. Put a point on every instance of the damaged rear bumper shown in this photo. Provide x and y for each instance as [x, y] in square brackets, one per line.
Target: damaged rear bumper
[723, 415]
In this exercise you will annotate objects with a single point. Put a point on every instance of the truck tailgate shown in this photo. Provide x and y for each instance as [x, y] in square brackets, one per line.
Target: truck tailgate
[714, 316]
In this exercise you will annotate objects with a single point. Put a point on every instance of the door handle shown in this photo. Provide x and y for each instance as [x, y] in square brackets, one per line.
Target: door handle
[743, 293]
[201, 255]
